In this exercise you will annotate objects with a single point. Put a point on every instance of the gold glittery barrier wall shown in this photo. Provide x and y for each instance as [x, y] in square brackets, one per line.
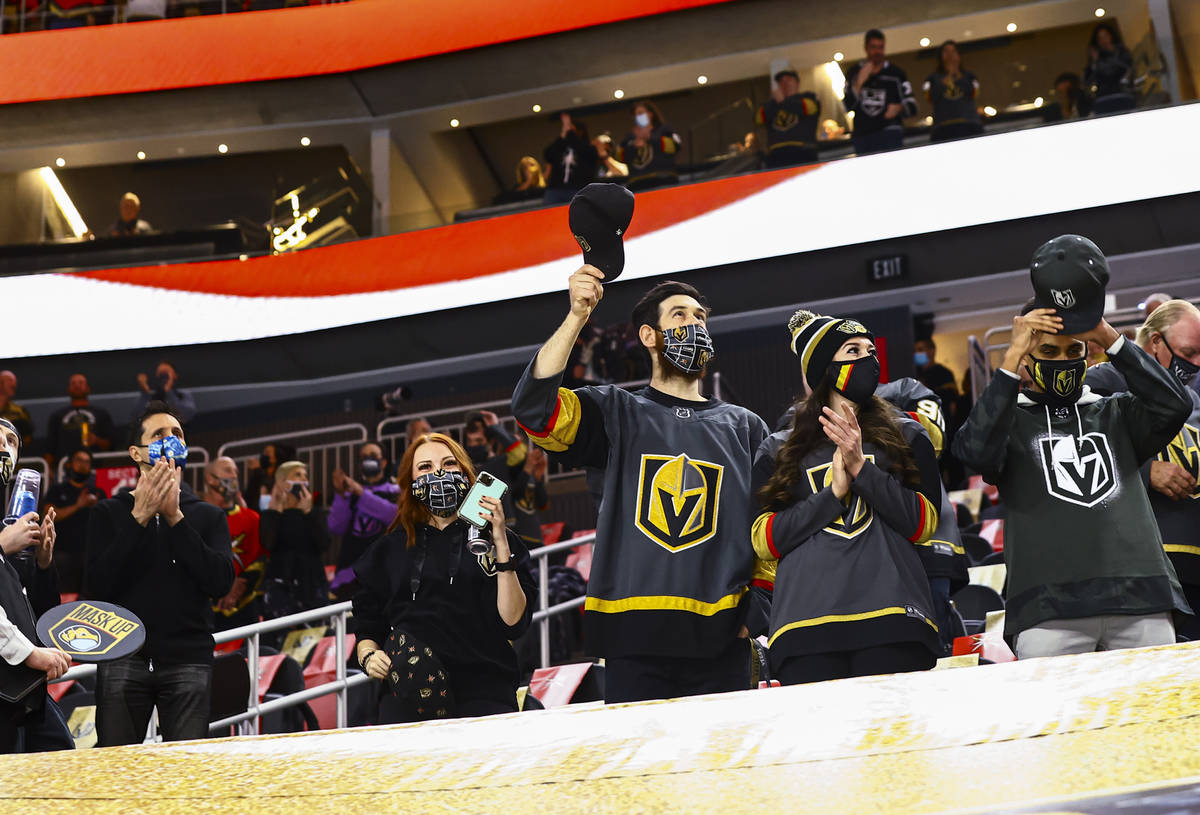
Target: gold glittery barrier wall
[989, 738]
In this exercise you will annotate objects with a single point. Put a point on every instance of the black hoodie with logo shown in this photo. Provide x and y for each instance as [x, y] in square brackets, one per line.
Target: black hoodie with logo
[167, 575]
[1080, 539]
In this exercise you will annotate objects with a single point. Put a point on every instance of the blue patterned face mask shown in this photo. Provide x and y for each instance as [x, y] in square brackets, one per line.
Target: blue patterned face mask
[688, 348]
[171, 448]
[440, 492]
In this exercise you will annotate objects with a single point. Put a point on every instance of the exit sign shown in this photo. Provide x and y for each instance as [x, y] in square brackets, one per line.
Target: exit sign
[889, 268]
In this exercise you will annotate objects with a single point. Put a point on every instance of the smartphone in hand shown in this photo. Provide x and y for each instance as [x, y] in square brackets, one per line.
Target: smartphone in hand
[486, 485]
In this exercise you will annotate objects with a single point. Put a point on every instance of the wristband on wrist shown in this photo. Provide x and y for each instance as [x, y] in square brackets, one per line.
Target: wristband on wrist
[362, 663]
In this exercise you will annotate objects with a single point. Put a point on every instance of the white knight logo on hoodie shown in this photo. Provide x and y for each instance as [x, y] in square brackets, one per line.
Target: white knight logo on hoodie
[1078, 471]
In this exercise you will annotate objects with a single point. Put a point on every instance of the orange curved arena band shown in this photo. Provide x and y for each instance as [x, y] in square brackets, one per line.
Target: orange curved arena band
[472, 249]
[283, 43]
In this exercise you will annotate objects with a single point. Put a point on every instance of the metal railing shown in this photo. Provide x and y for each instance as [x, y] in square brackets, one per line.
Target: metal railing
[316, 457]
[255, 709]
[250, 719]
[193, 471]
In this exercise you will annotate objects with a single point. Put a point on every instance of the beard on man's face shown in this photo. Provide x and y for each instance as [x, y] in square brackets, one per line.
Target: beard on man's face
[667, 369]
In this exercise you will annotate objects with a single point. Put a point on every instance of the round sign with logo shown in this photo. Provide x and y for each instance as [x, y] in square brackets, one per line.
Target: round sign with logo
[92, 631]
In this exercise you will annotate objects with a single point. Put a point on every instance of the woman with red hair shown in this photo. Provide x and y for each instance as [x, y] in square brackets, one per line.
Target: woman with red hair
[434, 620]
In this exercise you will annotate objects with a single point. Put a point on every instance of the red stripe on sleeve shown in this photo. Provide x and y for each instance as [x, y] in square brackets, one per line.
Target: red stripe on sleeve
[513, 446]
[549, 425]
[763, 584]
[921, 522]
[771, 538]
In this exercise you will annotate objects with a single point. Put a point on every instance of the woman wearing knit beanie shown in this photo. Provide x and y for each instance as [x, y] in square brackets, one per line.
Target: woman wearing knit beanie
[846, 493]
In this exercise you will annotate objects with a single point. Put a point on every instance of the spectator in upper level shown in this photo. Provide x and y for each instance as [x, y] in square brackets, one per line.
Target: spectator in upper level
[416, 427]
[165, 388]
[791, 118]
[952, 90]
[72, 500]
[137, 11]
[79, 424]
[880, 96]
[1071, 101]
[531, 183]
[10, 410]
[74, 13]
[606, 153]
[1109, 72]
[129, 223]
[297, 540]
[362, 509]
[649, 149]
[831, 130]
[572, 159]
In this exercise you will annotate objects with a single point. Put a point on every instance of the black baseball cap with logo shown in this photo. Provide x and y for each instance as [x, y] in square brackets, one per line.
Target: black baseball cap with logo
[1070, 275]
[599, 216]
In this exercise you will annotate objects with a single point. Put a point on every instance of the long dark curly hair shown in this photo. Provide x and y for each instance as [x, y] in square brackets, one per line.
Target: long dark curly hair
[879, 428]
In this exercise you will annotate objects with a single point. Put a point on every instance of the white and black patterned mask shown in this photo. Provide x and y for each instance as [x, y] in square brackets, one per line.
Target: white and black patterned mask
[688, 348]
[440, 492]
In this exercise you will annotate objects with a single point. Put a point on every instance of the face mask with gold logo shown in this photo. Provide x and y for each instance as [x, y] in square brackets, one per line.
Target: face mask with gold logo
[1060, 379]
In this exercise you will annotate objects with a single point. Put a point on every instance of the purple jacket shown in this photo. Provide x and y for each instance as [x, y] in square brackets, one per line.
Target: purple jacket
[366, 515]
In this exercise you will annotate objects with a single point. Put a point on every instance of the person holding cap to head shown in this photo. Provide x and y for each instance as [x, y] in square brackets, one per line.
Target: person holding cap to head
[164, 554]
[1086, 566]
[847, 492]
[791, 119]
[1171, 334]
[675, 588]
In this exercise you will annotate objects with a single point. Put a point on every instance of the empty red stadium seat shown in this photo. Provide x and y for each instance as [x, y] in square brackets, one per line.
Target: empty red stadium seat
[993, 532]
[554, 686]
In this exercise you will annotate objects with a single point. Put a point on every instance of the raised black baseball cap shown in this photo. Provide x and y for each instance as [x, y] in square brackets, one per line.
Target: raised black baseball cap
[1070, 274]
[599, 216]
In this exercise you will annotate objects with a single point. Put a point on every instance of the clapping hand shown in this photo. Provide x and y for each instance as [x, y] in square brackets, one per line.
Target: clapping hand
[45, 549]
[843, 430]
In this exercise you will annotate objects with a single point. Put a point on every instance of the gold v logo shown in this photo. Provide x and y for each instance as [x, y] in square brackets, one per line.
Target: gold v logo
[1184, 450]
[858, 514]
[678, 500]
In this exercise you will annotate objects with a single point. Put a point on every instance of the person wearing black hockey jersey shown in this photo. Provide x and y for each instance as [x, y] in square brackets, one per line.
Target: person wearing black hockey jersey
[675, 587]
[1171, 334]
[1086, 566]
[845, 493]
[942, 555]
[880, 95]
[791, 119]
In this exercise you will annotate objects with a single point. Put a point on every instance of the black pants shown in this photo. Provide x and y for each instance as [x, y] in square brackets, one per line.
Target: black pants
[939, 589]
[636, 679]
[128, 689]
[1188, 625]
[900, 657]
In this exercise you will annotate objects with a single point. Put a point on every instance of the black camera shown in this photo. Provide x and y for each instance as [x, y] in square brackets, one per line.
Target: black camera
[390, 402]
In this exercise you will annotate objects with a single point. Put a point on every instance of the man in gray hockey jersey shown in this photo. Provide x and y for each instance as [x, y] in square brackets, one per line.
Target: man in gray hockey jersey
[675, 585]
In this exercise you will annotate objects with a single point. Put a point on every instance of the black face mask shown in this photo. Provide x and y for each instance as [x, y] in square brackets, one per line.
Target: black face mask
[689, 348]
[855, 379]
[479, 453]
[1061, 380]
[1183, 370]
[371, 467]
[264, 461]
[79, 478]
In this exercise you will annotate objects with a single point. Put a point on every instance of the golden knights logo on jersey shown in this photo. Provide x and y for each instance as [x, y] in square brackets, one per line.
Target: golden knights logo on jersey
[1184, 450]
[856, 517]
[1078, 471]
[678, 500]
